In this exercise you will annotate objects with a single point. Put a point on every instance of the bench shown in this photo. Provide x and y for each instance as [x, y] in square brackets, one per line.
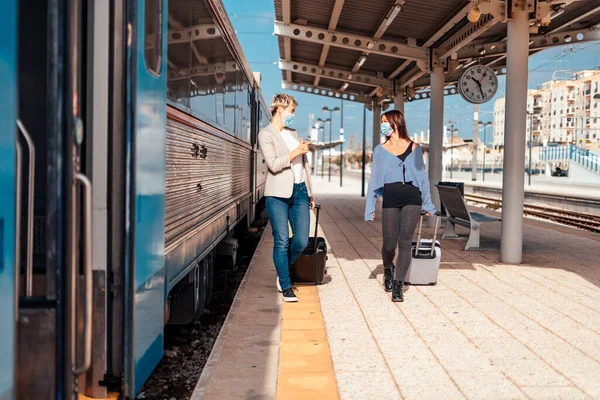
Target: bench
[457, 213]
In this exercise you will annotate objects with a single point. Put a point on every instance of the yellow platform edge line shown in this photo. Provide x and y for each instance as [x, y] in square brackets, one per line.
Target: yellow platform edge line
[307, 382]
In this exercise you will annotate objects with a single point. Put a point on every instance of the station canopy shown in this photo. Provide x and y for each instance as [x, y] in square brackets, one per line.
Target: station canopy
[374, 50]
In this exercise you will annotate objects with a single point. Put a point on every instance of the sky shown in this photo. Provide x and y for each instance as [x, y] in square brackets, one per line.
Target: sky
[253, 22]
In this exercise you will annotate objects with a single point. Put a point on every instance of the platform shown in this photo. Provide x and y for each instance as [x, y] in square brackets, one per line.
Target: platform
[486, 331]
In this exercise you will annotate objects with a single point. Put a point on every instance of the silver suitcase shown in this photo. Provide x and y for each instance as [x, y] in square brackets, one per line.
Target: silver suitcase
[425, 261]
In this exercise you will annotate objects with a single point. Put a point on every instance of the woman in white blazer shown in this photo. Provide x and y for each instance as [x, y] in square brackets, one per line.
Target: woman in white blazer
[288, 190]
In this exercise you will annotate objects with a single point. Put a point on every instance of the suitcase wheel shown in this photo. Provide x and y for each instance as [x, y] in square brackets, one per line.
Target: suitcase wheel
[433, 284]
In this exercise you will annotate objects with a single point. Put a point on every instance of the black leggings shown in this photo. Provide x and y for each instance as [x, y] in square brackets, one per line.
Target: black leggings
[398, 228]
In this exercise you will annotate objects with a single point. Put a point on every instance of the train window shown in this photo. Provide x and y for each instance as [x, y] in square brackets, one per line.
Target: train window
[180, 80]
[204, 75]
[153, 35]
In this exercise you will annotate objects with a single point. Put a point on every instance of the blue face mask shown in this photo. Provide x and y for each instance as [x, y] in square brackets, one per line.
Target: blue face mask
[288, 121]
[385, 129]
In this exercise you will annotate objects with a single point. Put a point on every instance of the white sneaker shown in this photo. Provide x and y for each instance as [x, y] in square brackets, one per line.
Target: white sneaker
[278, 286]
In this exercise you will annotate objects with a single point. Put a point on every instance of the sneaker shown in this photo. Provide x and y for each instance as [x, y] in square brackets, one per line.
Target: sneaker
[289, 296]
[278, 286]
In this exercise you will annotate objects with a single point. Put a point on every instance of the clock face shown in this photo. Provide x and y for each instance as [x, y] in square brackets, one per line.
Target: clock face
[478, 84]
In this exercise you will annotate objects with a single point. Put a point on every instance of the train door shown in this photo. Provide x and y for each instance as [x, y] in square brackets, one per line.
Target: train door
[145, 291]
[8, 181]
[54, 332]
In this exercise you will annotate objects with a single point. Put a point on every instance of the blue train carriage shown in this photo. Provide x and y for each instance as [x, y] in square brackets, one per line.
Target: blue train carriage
[128, 159]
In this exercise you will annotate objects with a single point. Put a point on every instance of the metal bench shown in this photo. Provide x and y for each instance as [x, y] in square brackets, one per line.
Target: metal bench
[457, 213]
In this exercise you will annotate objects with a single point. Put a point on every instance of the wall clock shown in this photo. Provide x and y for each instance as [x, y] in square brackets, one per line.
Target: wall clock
[478, 84]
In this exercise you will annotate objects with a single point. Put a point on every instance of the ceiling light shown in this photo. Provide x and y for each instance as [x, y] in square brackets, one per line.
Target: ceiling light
[557, 13]
[345, 86]
[362, 60]
[393, 14]
[470, 63]
[474, 13]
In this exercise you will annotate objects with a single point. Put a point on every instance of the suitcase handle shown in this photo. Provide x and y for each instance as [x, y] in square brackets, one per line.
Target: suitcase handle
[437, 222]
[317, 208]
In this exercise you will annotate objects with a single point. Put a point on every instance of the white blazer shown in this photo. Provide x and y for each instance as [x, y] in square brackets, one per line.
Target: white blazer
[280, 179]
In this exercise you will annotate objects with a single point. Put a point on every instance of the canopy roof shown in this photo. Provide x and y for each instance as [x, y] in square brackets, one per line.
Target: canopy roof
[371, 50]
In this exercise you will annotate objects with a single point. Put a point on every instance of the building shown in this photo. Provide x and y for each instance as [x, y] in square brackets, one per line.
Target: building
[560, 112]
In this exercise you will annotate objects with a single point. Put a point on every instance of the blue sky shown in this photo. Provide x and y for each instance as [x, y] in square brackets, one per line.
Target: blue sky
[253, 21]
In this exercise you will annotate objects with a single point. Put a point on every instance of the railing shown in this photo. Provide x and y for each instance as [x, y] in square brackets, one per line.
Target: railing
[584, 158]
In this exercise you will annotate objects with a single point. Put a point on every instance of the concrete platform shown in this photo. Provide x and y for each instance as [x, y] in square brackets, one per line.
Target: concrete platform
[486, 331]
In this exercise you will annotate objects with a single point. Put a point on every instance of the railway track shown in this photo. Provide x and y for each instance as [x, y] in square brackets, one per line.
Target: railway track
[565, 217]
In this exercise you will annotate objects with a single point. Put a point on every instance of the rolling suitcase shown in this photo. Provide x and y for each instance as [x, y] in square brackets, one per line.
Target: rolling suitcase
[310, 266]
[425, 260]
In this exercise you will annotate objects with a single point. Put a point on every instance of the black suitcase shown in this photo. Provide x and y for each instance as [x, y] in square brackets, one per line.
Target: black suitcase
[310, 266]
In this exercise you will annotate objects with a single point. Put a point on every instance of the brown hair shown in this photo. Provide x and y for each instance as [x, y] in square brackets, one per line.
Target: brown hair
[397, 122]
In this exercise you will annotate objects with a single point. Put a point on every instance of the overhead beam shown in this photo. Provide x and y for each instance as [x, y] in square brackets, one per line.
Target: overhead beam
[327, 92]
[458, 17]
[179, 26]
[449, 90]
[334, 73]
[540, 42]
[584, 11]
[333, 21]
[385, 23]
[196, 32]
[352, 42]
[388, 19]
[410, 76]
[461, 38]
[202, 70]
[401, 68]
[287, 42]
[464, 36]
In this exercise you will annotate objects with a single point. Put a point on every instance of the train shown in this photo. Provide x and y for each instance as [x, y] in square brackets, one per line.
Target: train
[129, 158]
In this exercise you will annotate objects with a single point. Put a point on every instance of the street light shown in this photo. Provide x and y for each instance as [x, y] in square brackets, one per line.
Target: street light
[452, 132]
[530, 144]
[341, 154]
[322, 130]
[331, 111]
[485, 125]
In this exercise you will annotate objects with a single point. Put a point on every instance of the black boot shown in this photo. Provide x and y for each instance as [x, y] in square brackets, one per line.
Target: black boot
[388, 278]
[397, 295]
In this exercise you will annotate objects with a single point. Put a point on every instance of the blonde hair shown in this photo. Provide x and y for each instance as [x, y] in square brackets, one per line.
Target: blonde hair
[281, 100]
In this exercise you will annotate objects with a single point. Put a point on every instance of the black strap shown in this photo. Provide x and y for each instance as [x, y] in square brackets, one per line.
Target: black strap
[318, 208]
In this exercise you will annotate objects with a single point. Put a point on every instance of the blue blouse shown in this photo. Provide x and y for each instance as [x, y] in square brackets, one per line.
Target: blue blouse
[388, 168]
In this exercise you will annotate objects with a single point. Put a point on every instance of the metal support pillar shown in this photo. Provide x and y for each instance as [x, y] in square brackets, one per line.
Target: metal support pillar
[399, 101]
[364, 151]
[436, 139]
[376, 125]
[511, 249]
[474, 166]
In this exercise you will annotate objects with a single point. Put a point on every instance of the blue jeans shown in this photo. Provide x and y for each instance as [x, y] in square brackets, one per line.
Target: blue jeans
[294, 209]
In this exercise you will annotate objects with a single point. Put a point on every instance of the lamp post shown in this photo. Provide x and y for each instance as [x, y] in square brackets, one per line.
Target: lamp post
[452, 131]
[341, 156]
[485, 125]
[322, 130]
[364, 151]
[342, 144]
[530, 114]
[331, 111]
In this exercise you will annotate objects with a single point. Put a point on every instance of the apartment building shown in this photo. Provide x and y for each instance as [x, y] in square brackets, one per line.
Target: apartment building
[559, 112]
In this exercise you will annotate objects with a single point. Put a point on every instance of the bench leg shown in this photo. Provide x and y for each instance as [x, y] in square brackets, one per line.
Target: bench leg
[473, 242]
[449, 230]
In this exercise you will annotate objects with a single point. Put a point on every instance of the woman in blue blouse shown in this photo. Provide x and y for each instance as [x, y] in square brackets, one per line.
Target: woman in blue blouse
[398, 175]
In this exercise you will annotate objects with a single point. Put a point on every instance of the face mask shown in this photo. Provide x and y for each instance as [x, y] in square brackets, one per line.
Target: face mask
[288, 121]
[386, 129]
